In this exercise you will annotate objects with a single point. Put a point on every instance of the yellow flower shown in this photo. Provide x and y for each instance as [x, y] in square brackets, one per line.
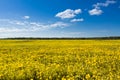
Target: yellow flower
[70, 78]
[87, 76]
[63, 78]
[0, 76]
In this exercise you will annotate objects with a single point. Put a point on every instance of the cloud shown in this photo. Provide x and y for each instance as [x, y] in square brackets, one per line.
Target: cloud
[68, 13]
[77, 11]
[25, 26]
[74, 33]
[26, 17]
[15, 22]
[77, 20]
[95, 12]
[97, 7]
[12, 30]
[106, 4]
[58, 24]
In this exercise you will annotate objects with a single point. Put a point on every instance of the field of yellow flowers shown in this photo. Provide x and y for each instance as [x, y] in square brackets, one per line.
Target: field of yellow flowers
[59, 59]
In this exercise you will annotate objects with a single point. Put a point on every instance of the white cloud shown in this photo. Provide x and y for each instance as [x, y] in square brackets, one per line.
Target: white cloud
[12, 30]
[15, 22]
[95, 12]
[74, 33]
[106, 4]
[97, 7]
[26, 17]
[77, 20]
[77, 11]
[68, 13]
[58, 24]
[25, 26]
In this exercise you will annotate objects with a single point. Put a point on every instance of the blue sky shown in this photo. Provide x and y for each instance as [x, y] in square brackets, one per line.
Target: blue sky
[59, 18]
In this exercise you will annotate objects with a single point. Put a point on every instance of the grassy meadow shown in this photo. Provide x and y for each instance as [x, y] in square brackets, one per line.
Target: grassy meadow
[59, 59]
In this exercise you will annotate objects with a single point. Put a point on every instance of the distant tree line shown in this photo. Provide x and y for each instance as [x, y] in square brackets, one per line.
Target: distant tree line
[64, 38]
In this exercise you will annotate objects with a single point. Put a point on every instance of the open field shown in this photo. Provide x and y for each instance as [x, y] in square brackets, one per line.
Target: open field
[59, 59]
